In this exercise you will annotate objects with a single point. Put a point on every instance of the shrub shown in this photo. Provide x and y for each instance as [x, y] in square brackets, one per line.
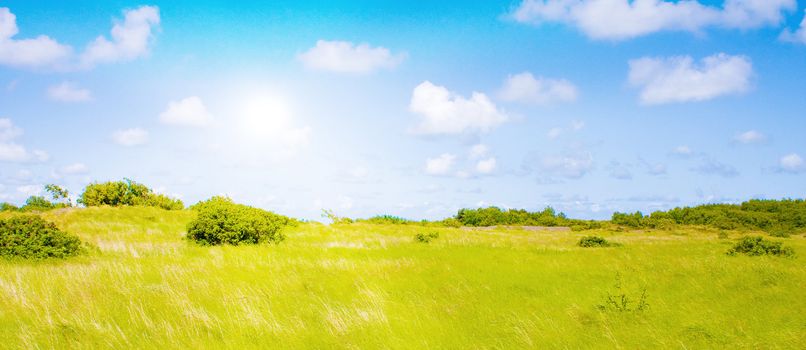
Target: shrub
[31, 237]
[594, 241]
[38, 203]
[5, 206]
[127, 192]
[221, 221]
[426, 237]
[492, 216]
[757, 246]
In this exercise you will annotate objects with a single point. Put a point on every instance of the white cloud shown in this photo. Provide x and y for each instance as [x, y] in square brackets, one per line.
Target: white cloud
[440, 165]
[130, 137]
[554, 133]
[346, 57]
[188, 112]
[13, 152]
[573, 166]
[791, 163]
[68, 92]
[479, 151]
[486, 166]
[74, 169]
[130, 38]
[798, 36]
[8, 131]
[624, 19]
[750, 136]
[577, 125]
[680, 79]
[525, 88]
[445, 112]
[40, 51]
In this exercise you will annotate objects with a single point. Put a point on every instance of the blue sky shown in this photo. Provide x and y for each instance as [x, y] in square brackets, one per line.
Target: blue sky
[414, 109]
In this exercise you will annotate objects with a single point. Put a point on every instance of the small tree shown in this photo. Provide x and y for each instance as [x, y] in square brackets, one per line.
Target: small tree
[57, 192]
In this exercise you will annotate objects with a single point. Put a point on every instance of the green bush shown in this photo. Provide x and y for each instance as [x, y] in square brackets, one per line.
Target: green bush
[493, 216]
[127, 192]
[38, 203]
[5, 206]
[31, 237]
[757, 246]
[221, 221]
[426, 237]
[594, 241]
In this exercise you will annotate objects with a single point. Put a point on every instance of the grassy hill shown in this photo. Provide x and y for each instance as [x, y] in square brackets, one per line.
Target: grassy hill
[374, 286]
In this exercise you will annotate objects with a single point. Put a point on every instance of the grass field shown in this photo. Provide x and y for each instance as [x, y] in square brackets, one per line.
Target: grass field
[363, 286]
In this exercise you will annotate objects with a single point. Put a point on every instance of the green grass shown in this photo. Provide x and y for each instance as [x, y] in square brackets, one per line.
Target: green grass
[362, 286]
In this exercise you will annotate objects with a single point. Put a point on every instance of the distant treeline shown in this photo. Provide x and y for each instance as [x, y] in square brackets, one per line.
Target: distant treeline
[772, 216]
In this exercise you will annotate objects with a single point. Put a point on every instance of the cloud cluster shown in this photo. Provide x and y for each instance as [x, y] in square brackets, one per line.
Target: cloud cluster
[186, 112]
[798, 36]
[130, 39]
[570, 165]
[625, 19]
[749, 137]
[441, 165]
[791, 163]
[69, 92]
[130, 137]
[445, 112]
[525, 88]
[680, 79]
[346, 57]
[10, 151]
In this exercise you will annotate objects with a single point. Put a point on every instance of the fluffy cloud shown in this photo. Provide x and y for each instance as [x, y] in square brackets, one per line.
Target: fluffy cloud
[791, 163]
[13, 152]
[445, 112]
[525, 88]
[624, 19]
[130, 38]
[680, 79]
[441, 165]
[479, 151]
[187, 112]
[486, 166]
[750, 136]
[40, 51]
[130, 137]
[68, 92]
[346, 57]
[798, 36]
[30, 190]
[554, 133]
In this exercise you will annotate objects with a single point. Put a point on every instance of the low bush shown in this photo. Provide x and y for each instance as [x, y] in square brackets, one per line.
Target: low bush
[221, 221]
[426, 237]
[31, 237]
[594, 241]
[758, 246]
[127, 192]
[5, 206]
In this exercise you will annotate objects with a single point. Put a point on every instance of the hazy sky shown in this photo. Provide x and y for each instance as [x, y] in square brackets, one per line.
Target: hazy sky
[413, 108]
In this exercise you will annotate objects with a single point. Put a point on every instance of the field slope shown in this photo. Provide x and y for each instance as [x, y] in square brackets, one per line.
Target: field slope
[373, 286]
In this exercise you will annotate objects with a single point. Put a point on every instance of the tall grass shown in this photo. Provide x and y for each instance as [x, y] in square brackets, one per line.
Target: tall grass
[373, 286]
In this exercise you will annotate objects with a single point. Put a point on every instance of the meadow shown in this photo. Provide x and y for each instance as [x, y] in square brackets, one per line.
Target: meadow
[141, 284]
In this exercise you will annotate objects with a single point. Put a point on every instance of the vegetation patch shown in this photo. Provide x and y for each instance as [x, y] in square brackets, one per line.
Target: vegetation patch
[758, 246]
[426, 237]
[126, 192]
[595, 241]
[221, 221]
[31, 237]
[620, 300]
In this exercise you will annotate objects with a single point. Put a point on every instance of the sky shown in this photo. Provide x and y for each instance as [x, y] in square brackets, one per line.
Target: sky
[414, 109]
